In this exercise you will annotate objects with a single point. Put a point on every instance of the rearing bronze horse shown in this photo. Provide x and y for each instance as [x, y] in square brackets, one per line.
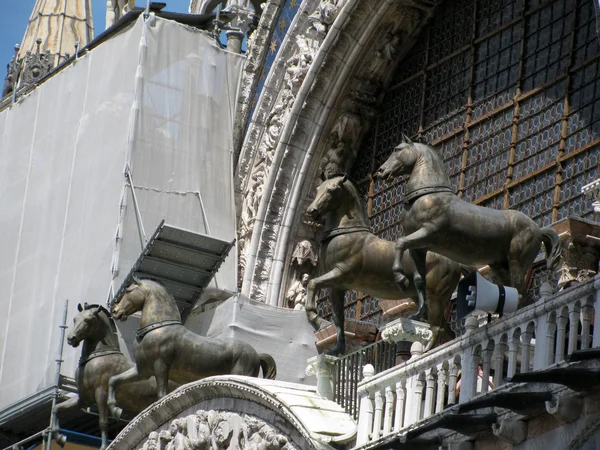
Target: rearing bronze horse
[436, 219]
[352, 257]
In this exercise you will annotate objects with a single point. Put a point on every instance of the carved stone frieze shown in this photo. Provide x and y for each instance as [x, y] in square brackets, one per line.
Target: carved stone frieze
[303, 253]
[342, 152]
[218, 430]
[296, 68]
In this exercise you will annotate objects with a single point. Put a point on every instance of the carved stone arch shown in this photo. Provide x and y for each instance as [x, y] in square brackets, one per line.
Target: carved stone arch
[336, 83]
[253, 411]
[208, 6]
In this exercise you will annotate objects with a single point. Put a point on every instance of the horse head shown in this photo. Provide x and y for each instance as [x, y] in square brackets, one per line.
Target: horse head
[328, 198]
[400, 162]
[88, 324]
[131, 302]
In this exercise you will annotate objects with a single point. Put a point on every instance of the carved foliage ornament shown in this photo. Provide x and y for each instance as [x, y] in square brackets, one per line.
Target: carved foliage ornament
[296, 69]
[218, 430]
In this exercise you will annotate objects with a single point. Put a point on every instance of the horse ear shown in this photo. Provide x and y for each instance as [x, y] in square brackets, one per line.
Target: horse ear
[79, 307]
[136, 280]
[86, 306]
[344, 179]
[406, 139]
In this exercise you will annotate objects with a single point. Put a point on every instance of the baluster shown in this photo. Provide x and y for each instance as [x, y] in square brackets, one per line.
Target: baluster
[596, 337]
[513, 350]
[442, 376]
[365, 415]
[485, 377]
[418, 404]
[452, 380]
[498, 363]
[400, 399]
[378, 414]
[561, 327]
[389, 410]
[587, 310]
[469, 361]
[573, 327]
[525, 350]
[429, 394]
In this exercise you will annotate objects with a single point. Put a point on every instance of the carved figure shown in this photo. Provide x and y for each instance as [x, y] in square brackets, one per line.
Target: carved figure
[436, 219]
[100, 359]
[296, 295]
[220, 431]
[351, 257]
[168, 350]
[115, 9]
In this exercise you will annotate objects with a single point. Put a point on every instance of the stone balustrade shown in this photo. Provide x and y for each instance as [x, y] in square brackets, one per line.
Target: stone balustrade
[534, 338]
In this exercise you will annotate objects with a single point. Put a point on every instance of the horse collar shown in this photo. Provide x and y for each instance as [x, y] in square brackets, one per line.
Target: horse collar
[141, 332]
[82, 361]
[338, 231]
[413, 195]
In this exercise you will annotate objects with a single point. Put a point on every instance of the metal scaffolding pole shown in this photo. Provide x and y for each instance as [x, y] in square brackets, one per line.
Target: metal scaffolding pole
[59, 361]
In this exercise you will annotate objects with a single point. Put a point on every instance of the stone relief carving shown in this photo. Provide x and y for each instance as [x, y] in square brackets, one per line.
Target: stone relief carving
[322, 18]
[304, 252]
[342, 152]
[218, 430]
[296, 68]
[296, 294]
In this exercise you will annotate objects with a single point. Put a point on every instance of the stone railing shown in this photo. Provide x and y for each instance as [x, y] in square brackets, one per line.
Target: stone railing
[533, 338]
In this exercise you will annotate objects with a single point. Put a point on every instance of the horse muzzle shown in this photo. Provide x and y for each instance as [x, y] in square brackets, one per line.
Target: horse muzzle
[313, 213]
[72, 341]
[119, 315]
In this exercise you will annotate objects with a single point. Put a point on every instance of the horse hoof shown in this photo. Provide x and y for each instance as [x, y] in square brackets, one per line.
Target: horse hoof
[401, 281]
[60, 439]
[116, 412]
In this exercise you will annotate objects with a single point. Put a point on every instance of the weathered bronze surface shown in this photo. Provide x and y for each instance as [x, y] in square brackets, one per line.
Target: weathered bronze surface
[351, 257]
[168, 350]
[436, 219]
[101, 359]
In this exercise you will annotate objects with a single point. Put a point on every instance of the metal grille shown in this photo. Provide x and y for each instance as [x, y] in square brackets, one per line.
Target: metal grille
[348, 372]
[509, 92]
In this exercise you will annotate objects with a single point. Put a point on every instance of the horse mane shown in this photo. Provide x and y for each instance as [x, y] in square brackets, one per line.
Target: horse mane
[107, 316]
[158, 290]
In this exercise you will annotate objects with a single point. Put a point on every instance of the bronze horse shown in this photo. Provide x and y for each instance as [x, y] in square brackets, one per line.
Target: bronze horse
[100, 359]
[165, 348]
[352, 257]
[436, 219]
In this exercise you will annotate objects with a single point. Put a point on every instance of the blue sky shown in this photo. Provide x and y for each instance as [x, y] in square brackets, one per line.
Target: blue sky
[15, 14]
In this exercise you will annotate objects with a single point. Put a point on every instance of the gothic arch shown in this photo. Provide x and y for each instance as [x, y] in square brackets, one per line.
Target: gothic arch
[331, 66]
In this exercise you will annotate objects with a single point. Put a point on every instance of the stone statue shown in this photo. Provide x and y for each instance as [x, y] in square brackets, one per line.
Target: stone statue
[100, 359]
[438, 220]
[352, 257]
[165, 348]
[115, 9]
[296, 295]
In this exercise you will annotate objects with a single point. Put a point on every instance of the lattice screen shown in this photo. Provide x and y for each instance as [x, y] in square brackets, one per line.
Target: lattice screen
[509, 92]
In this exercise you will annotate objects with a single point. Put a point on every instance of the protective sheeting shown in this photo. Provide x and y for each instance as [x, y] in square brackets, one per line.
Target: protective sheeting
[283, 333]
[158, 97]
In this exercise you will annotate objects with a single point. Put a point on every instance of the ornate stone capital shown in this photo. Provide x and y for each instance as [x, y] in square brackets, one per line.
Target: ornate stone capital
[407, 330]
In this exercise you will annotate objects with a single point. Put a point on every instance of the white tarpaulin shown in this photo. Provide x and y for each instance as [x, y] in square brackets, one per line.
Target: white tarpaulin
[158, 97]
[283, 333]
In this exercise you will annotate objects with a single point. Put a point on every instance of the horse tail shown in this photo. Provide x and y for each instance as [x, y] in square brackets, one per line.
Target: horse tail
[553, 248]
[268, 366]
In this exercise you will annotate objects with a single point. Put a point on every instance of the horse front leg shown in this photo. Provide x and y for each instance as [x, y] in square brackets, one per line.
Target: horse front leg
[71, 403]
[101, 397]
[161, 374]
[337, 313]
[311, 292]
[418, 239]
[417, 258]
[129, 376]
